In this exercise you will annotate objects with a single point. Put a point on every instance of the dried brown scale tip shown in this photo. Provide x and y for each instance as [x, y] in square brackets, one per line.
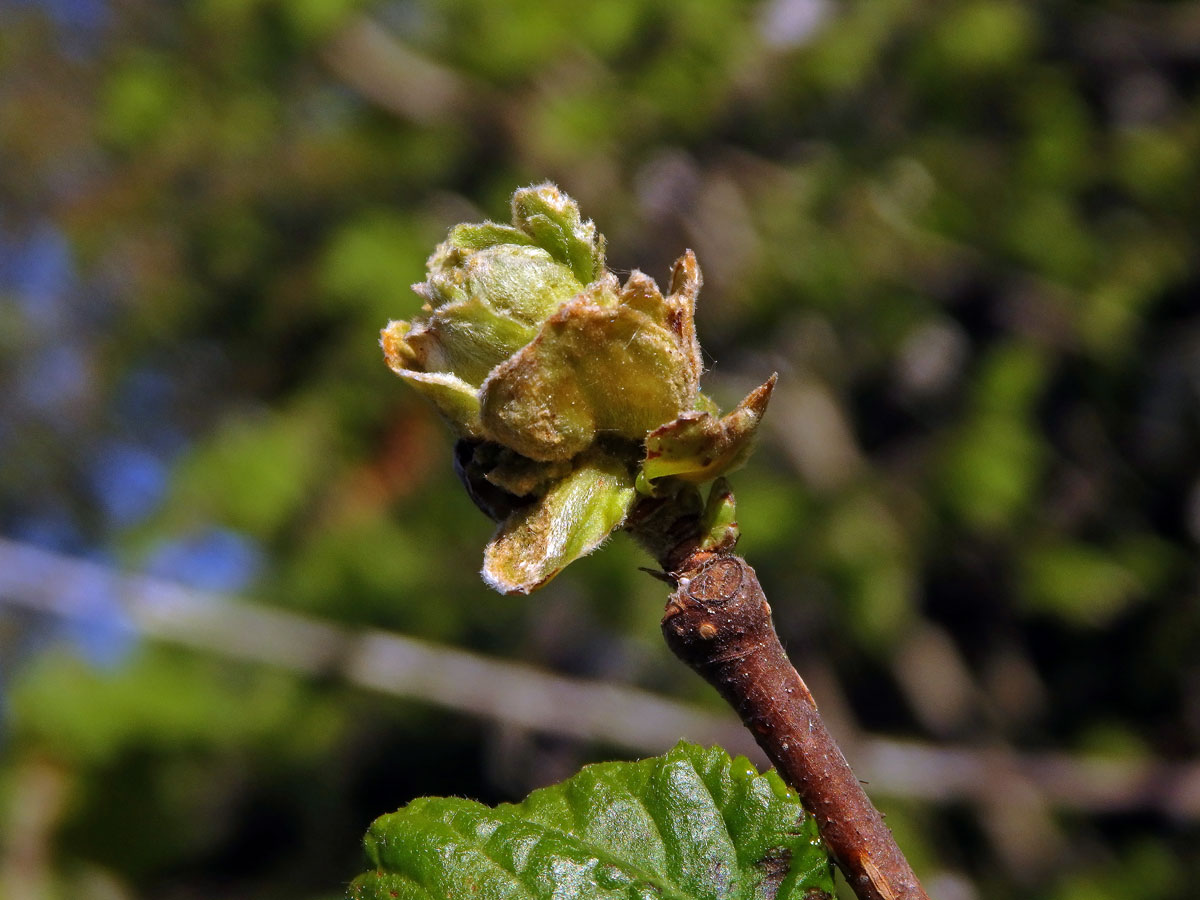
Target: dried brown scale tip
[719, 623]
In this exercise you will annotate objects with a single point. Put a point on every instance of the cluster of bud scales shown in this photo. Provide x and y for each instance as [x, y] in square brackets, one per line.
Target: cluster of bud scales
[573, 396]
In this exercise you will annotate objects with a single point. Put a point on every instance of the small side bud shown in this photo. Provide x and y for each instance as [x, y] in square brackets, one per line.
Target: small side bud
[699, 446]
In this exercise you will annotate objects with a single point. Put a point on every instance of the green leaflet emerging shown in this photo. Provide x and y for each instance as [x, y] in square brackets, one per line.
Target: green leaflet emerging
[575, 517]
[691, 824]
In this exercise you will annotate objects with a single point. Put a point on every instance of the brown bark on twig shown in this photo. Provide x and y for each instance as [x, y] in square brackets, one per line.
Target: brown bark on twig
[718, 622]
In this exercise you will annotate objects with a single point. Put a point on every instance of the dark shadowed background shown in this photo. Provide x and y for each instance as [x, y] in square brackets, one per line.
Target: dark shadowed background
[238, 577]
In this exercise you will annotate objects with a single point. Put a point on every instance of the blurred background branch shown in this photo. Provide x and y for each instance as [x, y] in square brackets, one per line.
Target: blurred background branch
[511, 692]
[516, 694]
[369, 58]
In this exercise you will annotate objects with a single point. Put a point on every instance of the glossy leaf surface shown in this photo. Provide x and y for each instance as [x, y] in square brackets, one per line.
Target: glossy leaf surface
[691, 824]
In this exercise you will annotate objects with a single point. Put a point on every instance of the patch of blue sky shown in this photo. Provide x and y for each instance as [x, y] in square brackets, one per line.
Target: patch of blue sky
[48, 528]
[127, 481]
[37, 270]
[70, 13]
[214, 560]
[79, 23]
[144, 408]
[55, 381]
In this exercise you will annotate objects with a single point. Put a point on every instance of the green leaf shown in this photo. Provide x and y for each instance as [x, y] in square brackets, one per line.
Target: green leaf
[553, 220]
[487, 234]
[254, 473]
[1081, 583]
[689, 825]
[468, 338]
[575, 517]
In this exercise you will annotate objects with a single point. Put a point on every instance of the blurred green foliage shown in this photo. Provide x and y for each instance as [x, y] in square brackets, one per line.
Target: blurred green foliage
[965, 234]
